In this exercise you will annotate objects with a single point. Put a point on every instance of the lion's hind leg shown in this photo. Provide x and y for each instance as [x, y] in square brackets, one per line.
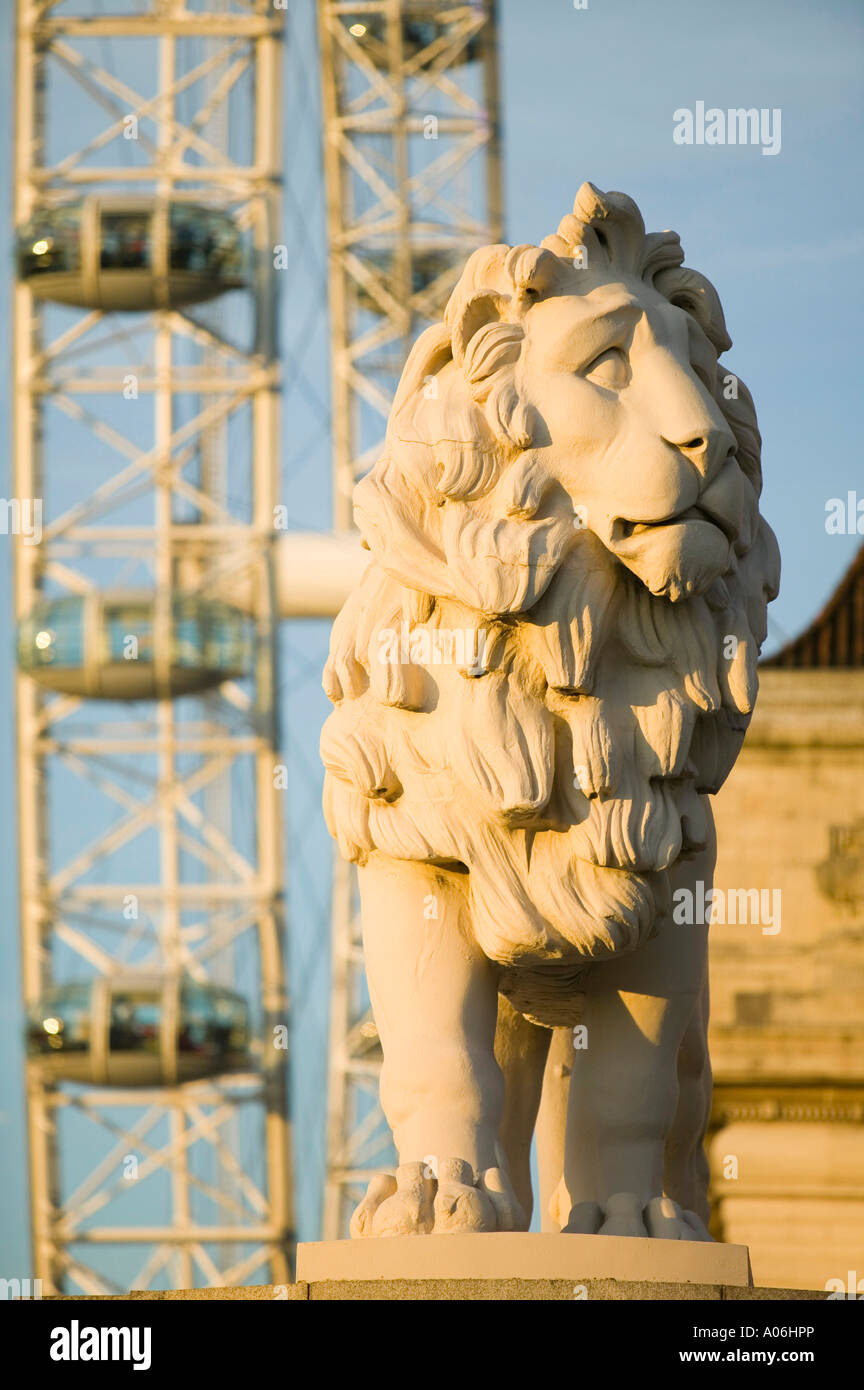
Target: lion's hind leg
[521, 1049]
[687, 1172]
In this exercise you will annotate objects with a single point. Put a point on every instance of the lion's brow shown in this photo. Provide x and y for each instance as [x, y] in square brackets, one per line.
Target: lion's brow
[593, 330]
[623, 304]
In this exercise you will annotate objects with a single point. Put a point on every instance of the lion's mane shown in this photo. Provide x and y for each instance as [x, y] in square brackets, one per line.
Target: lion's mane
[561, 758]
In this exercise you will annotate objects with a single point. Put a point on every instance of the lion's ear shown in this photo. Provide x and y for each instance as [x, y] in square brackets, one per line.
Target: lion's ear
[430, 353]
[487, 346]
[474, 313]
[696, 295]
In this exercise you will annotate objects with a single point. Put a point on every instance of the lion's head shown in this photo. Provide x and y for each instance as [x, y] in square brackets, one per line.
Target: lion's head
[571, 482]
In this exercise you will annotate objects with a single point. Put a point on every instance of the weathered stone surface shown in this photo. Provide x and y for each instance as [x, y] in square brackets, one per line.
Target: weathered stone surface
[515, 1290]
[467, 1290]
[247, 1293]
[770, 1295]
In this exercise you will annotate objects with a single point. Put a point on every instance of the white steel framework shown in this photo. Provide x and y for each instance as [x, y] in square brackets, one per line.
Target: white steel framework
[150, 833]
[412, 171]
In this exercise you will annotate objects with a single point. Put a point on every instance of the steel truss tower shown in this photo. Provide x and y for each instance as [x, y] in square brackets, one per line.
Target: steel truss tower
[150, 835]
[412, 169]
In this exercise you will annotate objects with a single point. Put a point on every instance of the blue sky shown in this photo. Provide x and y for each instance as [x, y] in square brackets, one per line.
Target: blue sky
[586, 94]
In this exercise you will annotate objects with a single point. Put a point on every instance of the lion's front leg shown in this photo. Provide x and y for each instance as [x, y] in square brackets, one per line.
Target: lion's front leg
[625, 1098]
[435, 1001]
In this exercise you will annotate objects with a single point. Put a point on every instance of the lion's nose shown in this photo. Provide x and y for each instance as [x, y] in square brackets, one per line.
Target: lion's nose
[707, 451]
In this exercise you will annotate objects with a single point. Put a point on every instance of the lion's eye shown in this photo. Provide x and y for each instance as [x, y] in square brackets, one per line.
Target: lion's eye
[610, 369]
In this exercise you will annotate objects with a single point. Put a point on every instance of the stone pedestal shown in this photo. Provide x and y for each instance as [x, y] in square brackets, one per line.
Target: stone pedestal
[511, 1268]
[521, 1256]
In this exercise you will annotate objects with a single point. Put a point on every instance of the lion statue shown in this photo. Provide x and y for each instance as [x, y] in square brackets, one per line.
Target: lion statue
[547, 668]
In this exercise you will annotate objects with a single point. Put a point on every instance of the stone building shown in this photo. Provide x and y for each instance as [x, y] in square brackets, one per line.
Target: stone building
[787, 963]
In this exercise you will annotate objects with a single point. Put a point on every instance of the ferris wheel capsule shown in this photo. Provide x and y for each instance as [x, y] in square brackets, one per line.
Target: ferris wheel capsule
[130, 253]
[427, 34]
[138, 1029]
[133, 644]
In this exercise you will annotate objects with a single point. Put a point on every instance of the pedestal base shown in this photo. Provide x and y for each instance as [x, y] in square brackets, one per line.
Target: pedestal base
[522, 1256]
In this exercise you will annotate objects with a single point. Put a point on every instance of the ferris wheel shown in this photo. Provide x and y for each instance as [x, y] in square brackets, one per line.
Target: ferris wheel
[150, 213]
[147, 167]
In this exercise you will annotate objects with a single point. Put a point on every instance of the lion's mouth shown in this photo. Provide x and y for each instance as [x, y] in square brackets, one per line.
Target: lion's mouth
[719, 505]
[624, 530]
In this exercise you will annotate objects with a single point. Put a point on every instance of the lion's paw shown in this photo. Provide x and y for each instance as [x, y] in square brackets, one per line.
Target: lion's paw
[457, 1202]
[666, 1220]
[625, 1214]
[382, 1186]
[460, 1206]
[408, 1210]
[509, 1215]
